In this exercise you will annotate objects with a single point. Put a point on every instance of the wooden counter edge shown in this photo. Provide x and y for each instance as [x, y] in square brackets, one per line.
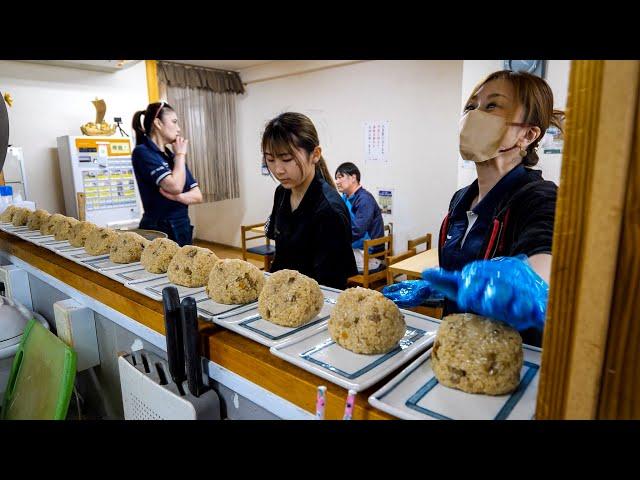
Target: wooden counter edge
[232, 351]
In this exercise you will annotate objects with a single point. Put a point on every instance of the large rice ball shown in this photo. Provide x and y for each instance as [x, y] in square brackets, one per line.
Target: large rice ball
[190, 267]
[127, 248]
[365, 321]
[290, 299]
[48, 226]
[7, 215]
[20, 216]
[79, 233]
[62, 230]
[99, 241]
[233, 282]
[477, 355]
[158, 254]
[36, 218]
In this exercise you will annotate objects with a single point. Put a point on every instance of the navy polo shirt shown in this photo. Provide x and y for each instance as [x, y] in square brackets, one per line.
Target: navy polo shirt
[150, 166]
[367, 216]
[456, 254]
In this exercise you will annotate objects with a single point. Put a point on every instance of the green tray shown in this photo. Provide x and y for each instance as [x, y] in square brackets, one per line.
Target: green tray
[41, 379]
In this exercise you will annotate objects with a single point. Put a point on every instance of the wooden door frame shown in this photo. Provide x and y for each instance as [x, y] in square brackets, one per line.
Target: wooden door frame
[599, 155]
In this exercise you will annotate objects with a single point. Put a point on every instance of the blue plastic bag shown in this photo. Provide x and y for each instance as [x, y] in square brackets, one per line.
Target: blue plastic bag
[411, 293]
[503, 288]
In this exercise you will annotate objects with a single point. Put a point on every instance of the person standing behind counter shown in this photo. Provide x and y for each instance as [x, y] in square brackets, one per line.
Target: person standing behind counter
[495, 241]
[166, 185]
[309, 221]
[366, 216]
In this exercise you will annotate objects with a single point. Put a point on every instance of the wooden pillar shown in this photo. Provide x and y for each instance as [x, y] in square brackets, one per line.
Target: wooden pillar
[600, 127]
[152, 80]
[620, 393]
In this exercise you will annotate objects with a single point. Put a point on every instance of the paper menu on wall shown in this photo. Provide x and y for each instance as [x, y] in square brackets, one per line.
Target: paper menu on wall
[376, 141]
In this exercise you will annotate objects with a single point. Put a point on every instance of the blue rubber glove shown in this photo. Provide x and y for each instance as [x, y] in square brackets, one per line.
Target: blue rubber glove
[503, 288]
[410, 293]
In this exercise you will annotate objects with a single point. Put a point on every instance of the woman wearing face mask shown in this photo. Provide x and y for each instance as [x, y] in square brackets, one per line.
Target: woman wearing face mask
[309, 221]
[495, 241]
[166, 185]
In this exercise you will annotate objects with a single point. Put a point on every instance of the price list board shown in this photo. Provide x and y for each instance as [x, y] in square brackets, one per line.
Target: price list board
[111, 187]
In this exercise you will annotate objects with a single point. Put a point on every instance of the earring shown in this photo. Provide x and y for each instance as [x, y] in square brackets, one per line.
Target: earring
[523, 152]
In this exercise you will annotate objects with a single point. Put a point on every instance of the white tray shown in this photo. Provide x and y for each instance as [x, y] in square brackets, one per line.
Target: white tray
[320, 355]
[56, 245]
[68, 248]
[27, 234]
[415, 394]
[134, 274]
[104, 264]
[208, 309]
[80, 255]
[248, 323]
[117, 273]
[42, 239]
[9, 228]
[153, 288]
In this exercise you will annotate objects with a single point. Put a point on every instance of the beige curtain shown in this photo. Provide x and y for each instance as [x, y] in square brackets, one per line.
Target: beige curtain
[205, 102]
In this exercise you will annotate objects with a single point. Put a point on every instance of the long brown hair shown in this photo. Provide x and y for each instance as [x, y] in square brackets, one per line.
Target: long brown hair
[536, 98]
[289, 131]
[153, 111]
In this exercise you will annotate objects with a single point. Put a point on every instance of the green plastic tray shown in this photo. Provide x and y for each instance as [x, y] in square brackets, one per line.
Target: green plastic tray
[41, 379]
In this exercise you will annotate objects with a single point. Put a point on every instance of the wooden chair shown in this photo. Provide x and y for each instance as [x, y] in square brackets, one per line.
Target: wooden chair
[395, 259]
[380, 273]
[426, 239]
[388, 230]
[264, 252]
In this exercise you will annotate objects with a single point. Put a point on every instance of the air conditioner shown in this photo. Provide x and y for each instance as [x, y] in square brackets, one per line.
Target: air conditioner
[95, 65]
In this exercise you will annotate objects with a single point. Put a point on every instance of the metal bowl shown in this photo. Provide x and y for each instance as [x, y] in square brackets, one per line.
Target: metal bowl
[148, 234]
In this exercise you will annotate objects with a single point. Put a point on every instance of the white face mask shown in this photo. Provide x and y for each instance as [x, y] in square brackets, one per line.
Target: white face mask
[481, 134]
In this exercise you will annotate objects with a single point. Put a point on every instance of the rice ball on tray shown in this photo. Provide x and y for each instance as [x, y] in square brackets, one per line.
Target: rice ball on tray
[7, 215]
[190, 267]
[36, 218]
[158, 254]
[79, 233]
[290, 299]
[20, 216]
[233, 282]
[48, 226]
[99, 241]
[477, 355]
[365, 321]
[127, 248]
[62, 229]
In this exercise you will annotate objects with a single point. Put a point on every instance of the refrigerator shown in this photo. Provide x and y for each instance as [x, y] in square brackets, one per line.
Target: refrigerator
[101, 168]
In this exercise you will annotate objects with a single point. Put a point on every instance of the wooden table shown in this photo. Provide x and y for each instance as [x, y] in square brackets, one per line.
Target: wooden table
[414, 266]
[234, 352]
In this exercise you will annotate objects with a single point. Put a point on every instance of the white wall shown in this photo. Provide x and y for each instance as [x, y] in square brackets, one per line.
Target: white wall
[52, 101]
[556, 74]
[421, 99]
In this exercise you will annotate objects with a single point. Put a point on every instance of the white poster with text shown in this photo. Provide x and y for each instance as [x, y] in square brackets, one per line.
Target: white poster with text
[376, 142]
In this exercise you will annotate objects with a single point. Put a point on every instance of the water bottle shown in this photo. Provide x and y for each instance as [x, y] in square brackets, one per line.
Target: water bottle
[6, 197]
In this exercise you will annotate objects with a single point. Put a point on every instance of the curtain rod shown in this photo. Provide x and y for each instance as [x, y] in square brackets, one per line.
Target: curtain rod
[199, 66]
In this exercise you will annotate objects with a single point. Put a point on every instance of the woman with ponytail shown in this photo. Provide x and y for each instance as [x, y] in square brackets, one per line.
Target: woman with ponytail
[309, 221]
[166, 185]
